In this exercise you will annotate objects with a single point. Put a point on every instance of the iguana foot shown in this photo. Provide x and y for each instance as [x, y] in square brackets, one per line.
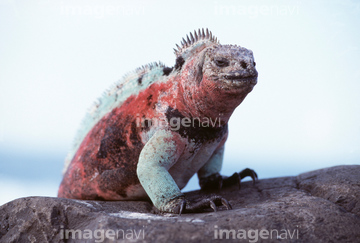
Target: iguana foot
[181, 205]
[216, 181]
[237, 177]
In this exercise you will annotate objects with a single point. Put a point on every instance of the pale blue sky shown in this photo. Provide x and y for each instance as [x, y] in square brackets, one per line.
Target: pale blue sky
[57, 57]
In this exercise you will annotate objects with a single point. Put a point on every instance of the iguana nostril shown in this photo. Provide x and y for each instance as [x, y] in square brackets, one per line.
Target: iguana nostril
[243, 64]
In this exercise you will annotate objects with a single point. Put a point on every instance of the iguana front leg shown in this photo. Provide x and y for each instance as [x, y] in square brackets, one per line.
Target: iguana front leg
[210, 178]
[159, 154]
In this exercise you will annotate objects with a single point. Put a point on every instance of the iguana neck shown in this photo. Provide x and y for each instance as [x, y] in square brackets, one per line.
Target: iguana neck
[199, 103]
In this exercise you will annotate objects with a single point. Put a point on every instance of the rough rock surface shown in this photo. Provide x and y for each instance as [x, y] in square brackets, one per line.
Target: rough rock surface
[318, 206]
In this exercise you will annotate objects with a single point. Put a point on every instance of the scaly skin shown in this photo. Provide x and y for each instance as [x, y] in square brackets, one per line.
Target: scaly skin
[120, 156]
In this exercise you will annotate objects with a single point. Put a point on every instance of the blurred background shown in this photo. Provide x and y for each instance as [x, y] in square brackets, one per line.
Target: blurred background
[57, 57]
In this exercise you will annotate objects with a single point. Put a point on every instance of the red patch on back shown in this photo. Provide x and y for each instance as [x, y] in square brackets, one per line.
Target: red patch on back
[104, 166]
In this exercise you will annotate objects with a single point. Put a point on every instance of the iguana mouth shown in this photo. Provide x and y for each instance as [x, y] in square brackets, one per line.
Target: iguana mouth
[240, 78]
[237, 77]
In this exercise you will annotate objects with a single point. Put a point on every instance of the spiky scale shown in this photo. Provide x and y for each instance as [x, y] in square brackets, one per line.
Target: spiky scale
[196, 36]
[192, 38]
[184, 43]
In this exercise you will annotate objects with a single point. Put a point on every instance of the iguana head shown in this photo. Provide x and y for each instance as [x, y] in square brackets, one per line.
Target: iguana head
[230, 67]
[215, 78]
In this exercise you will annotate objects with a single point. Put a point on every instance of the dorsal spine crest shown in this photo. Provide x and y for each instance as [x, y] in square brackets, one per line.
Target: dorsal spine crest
[190, 43]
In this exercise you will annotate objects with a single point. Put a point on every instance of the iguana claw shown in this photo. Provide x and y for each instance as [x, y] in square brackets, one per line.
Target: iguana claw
[212, 201]
[216, 181]
[237, 177]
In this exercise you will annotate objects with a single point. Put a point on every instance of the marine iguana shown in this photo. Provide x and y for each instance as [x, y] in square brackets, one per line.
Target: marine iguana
[158, 126]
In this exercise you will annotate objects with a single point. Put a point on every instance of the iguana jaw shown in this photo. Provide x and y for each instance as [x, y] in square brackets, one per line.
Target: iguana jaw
[235, 80]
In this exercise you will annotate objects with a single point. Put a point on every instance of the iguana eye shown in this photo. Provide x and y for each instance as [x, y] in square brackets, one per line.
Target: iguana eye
[221, 62]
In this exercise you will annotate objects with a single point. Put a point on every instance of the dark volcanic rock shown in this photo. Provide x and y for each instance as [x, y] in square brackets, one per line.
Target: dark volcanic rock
[318, 206]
